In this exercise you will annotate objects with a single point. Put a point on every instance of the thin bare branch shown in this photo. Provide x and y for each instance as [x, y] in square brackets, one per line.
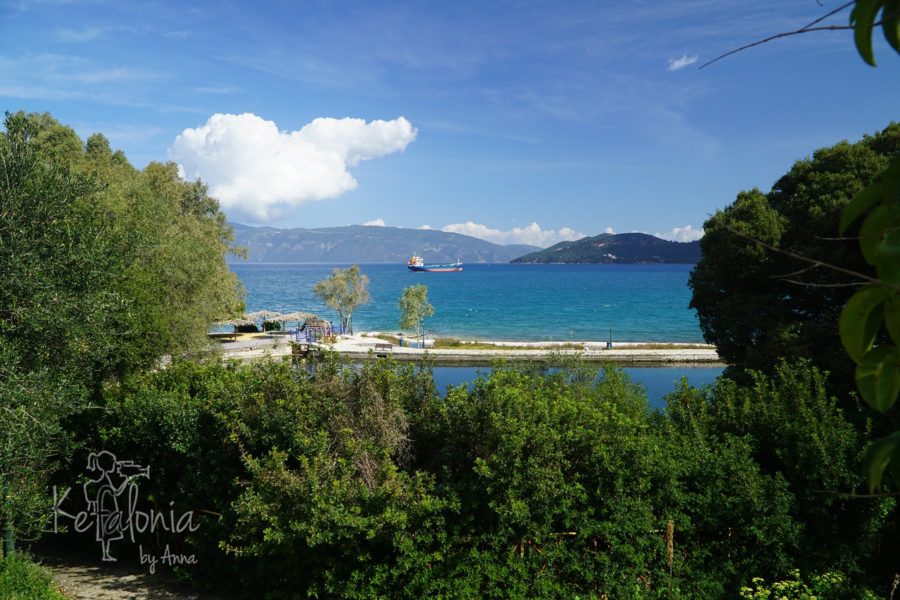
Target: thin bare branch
[812, 261]
[826, 285]
[795, 273]
[859, 237]
[828, 14]
[775, 37]
[835, 239]
[857, 496]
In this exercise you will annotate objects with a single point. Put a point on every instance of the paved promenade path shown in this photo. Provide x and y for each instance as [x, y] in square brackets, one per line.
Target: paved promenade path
[364, 346]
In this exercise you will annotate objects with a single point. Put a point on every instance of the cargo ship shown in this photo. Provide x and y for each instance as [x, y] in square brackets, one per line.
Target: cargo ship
[417, 263]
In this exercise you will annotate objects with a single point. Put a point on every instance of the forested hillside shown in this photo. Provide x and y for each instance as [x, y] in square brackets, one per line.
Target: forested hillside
[617, 248]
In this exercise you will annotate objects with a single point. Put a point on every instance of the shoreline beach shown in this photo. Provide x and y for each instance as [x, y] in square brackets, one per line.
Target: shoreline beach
[368, 346]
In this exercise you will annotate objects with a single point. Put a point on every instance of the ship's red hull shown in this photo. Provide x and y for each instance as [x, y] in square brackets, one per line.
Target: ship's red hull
[436, 269]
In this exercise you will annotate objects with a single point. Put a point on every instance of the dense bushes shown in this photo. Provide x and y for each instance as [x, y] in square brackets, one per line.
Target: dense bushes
[21, 579]
[363, 482]
[105, 269]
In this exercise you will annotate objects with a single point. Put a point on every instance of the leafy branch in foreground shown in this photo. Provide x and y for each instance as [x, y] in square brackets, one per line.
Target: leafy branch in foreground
[875, 309]
[863, 20]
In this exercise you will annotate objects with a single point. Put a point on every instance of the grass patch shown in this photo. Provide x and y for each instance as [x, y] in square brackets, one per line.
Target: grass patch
[657, 346]
[21, 579]
[455, 344]
[450, 343]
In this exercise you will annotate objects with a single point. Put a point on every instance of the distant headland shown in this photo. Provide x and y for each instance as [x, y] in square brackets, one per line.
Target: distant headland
[358, 243]
[625, 248]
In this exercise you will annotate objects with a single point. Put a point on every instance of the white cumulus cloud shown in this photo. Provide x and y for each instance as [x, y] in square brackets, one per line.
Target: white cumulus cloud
[530, 234]
[681, 234]
[609, 230]
[680, 63]
[256, 171]
[374, 223]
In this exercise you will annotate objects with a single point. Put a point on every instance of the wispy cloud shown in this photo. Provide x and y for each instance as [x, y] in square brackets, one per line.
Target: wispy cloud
[179, 34]
[681, 234]
[50, 76]
[85, 34]
[112, 74]
[374, 223]
[118, 133]
[676, 64]
[216, 90]
[531, 234]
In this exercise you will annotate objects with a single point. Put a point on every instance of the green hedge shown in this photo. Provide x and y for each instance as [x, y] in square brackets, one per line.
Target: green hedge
[21, 579]
[364, 482]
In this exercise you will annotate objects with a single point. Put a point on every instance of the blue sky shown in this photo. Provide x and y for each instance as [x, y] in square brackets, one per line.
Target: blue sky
[480, 117]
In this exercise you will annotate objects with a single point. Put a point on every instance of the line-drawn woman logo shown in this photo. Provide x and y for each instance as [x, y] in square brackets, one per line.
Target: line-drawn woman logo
[102, 495]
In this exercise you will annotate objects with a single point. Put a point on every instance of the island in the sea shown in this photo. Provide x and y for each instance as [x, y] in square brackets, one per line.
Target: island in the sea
[609, 248]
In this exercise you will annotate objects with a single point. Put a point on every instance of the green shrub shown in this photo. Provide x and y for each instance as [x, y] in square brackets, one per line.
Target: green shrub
[827, 586]
[21, 579]
[363, 482]
[796, 433]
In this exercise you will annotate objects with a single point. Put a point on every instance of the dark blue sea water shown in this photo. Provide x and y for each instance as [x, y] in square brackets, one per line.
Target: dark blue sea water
[503, 301]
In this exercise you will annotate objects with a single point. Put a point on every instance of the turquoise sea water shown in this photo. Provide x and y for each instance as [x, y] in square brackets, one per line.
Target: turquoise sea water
[512, 302]
[503, 301]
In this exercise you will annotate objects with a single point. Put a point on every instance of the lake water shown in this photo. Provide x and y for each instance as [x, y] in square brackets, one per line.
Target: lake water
[503, 301]
[511, 302]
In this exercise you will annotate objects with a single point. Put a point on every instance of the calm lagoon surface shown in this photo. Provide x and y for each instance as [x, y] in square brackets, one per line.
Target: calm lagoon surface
[511, 302]
[657, 381]
[642, 303]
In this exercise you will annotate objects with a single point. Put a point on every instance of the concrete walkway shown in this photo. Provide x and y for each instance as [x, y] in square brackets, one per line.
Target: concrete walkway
[361, 347]
[365, 346]
[256, 348]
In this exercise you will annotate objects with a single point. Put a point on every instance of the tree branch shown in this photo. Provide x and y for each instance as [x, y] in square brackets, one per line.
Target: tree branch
[775, 37]
[805, 29]
[857, 496]
[826, 285]
[795, 273]
[812, 261]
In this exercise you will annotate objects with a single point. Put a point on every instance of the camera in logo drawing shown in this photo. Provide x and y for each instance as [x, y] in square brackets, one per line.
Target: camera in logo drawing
[115, 480]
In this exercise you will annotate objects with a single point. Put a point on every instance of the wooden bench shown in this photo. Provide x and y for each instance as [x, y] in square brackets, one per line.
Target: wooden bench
[384, 346]
[222, 336]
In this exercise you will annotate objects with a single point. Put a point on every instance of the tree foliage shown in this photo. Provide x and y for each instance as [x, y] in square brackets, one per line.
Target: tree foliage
[345, 291]
[756, 304]
[105, 269]
[365, 483]
[869, 325]
[108, 268]
[414, 307]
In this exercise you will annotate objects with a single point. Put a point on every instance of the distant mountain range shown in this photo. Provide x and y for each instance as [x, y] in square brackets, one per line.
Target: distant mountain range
[359, 243]
[616, 248]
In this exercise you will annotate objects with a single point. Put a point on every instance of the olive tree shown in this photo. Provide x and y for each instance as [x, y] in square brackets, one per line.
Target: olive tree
[414, 307]
[344, 291]
[106, 268]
